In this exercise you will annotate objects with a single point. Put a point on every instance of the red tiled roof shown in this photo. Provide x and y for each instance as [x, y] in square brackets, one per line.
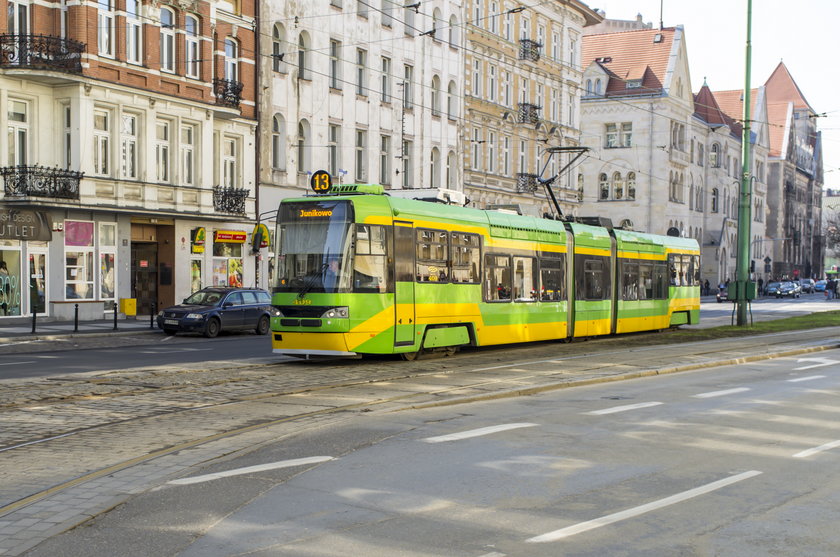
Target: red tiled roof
[631, 55]
[706, 107]
[732, 102]
[782, 88]
[777, 116]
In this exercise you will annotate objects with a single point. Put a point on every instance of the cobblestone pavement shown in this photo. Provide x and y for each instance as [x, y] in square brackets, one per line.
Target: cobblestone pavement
[74, 447]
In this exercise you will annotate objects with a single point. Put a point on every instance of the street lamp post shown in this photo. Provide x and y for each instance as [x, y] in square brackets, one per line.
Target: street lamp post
[743, 290]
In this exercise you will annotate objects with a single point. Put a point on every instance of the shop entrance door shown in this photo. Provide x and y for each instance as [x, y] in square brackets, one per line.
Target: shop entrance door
[144, 277]
[37, 283]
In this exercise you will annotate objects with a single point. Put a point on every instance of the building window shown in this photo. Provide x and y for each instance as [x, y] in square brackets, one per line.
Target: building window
[408, 20]
[230, 167]
[476, 78]
[384, 159]
[603, 187]
[128, 146]
[162, 141]
[453, 32]
[101, 143]
[385, 82]
[408, 86]
[491, 152]
[68, 135]
[335, 64]
[476, 149]
[107, 262]
[303, 57]
[477, 13]
[491, 84]
[451, 170]
[278, 140]
[436, 93]
[18, 133]
[619, 135]
[385, 8]
[523, 152]
[407, 163]
[105, 24]
[506, 99]
[362, 8]
[193, 50]
[361, 167]
[506, 156]
[231, 60]
[452, 101]
[494, 18]
[278, 37]
[303, 146]
[167, 40]
[188, 154]
[507, 26]
[617, 186]
[631, 185]
[435, 167]
[714, 155]
[555, 46]
[361, 62]
[334, 147]
[133, 32]
[78, 260]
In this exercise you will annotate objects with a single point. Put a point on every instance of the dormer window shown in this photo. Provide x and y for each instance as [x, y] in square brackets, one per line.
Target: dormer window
[634, 83]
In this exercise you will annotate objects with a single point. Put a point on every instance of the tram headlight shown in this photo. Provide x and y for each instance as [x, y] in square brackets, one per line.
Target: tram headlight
[275, 312]
[332, 313]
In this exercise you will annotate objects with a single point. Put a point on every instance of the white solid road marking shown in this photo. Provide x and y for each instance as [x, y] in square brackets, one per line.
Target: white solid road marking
[476, 432]
[636, 511]
[811, 378]
[16, 363]
[615, 409]
[815, 450]
[251, 469]
[722, 393]
[821, 362]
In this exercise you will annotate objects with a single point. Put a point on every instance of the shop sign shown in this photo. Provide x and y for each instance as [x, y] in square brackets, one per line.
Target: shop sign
[197, 238]
[230, 236]
[261, 232]
[19, 224]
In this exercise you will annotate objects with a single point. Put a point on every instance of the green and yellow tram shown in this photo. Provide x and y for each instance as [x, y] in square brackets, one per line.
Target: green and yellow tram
[361, 272]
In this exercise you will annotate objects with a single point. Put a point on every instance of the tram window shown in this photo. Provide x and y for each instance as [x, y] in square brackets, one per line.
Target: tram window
[696, 272]
[629, 281]
[553, 279]
[675, 263]
[497, 278]
[689, 269]
[660, 281]
[592, 281]
[369, 263]
[525, 279]
[466, 256]
[645, 281]
[432, 255]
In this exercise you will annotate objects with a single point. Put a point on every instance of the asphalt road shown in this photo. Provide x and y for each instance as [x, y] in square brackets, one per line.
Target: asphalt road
[734, 461]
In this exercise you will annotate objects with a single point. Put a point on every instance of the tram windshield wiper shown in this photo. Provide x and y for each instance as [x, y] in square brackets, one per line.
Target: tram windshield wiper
[311, 279]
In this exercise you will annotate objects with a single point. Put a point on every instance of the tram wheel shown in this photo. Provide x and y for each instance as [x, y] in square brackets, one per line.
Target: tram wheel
[409, 356]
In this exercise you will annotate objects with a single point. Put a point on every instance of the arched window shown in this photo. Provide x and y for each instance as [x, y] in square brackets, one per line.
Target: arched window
[714, 155]
[231, 60]
[453, 32]
[436, 93]
[133, 31]
[617, 186]
[303, 56]
[278, 141]
[435, 167]
[167, 40]
[451, 170]
[452, 101]
[631, 185]
[303, 146]
[690, 194]
[589, 89]
[278, 37]
[715, 200]
[598, 87]
[192, 33]
[603, 187]
[437, 24]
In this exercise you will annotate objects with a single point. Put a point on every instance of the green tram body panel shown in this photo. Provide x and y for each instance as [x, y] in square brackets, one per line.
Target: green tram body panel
[598, 272]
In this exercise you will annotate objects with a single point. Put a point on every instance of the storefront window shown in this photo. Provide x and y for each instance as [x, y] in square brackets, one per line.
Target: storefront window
[107, 263]
[9, 279]
[37, 282]
[78, 259]
[195, 275]
[227, 258]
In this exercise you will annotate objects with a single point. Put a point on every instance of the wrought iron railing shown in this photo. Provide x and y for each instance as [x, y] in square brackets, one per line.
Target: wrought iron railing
[41, 181]
[41, 52]
[528, 113]
[229, 199]
[529, 50]
[228, 92]
[526, 183]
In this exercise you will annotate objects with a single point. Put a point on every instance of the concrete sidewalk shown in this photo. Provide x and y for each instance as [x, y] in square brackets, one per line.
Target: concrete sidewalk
[12, 329]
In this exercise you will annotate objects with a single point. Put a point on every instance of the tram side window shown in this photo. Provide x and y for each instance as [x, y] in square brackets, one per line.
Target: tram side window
[691, 265]
[497, 278]
[370, 261]
[678, 271]
[466, 257]
[660, 281]
[553, 279]
[645, 281]
[525, 279]
[594, 285]
[432, 255]
[629, 281]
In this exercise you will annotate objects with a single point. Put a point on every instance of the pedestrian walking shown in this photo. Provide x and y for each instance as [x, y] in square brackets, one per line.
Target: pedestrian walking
[760, 286]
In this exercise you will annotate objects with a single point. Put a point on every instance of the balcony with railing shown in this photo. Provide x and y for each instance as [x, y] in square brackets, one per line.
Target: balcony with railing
[529, 50]
[229, 200]
[528, 113]
[228, 92]
[40, 181]
[527, 183]
[41, 52]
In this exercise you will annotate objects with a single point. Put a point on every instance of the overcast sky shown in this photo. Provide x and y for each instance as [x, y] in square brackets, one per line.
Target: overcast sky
[716, 32]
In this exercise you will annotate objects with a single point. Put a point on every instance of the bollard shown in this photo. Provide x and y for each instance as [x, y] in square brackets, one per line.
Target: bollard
[34, 315]
[76, 319]
[152, 317]
[115, 316]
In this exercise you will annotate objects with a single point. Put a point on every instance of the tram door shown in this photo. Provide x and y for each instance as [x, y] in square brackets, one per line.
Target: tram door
[404, 316]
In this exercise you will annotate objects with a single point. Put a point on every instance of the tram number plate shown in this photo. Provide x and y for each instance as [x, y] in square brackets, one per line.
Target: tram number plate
[170, 321]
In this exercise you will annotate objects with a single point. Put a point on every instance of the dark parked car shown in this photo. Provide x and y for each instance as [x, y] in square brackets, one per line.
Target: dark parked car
[722, 295]
[218, 308]
[782, 289]
[807, 285]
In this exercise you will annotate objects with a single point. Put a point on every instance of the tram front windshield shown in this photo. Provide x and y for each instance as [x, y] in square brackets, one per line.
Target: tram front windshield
[314, 243]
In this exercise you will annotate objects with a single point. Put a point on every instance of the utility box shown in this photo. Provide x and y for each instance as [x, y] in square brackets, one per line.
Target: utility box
[128, 306]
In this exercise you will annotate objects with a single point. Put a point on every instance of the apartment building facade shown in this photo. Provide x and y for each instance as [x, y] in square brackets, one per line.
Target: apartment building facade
[127, 167]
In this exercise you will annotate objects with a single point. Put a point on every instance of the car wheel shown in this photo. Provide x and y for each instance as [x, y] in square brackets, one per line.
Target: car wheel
[211, 330]
[169, 332]
[262, 325]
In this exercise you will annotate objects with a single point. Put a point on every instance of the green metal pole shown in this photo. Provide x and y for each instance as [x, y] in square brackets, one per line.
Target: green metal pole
[745, 199]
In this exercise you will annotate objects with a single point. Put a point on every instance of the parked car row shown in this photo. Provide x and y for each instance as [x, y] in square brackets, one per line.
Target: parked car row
[783, 289]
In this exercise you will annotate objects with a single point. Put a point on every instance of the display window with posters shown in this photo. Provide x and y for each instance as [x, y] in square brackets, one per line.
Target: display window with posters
[10, 273]
[227, 257]
[195, 275]
[78, 260]
[107, 264]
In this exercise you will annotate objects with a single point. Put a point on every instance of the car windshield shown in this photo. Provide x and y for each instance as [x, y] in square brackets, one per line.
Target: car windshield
[204, 298]
[773, 285]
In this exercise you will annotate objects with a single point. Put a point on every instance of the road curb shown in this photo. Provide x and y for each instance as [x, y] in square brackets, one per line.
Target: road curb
[79, 334]
[620, 377]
